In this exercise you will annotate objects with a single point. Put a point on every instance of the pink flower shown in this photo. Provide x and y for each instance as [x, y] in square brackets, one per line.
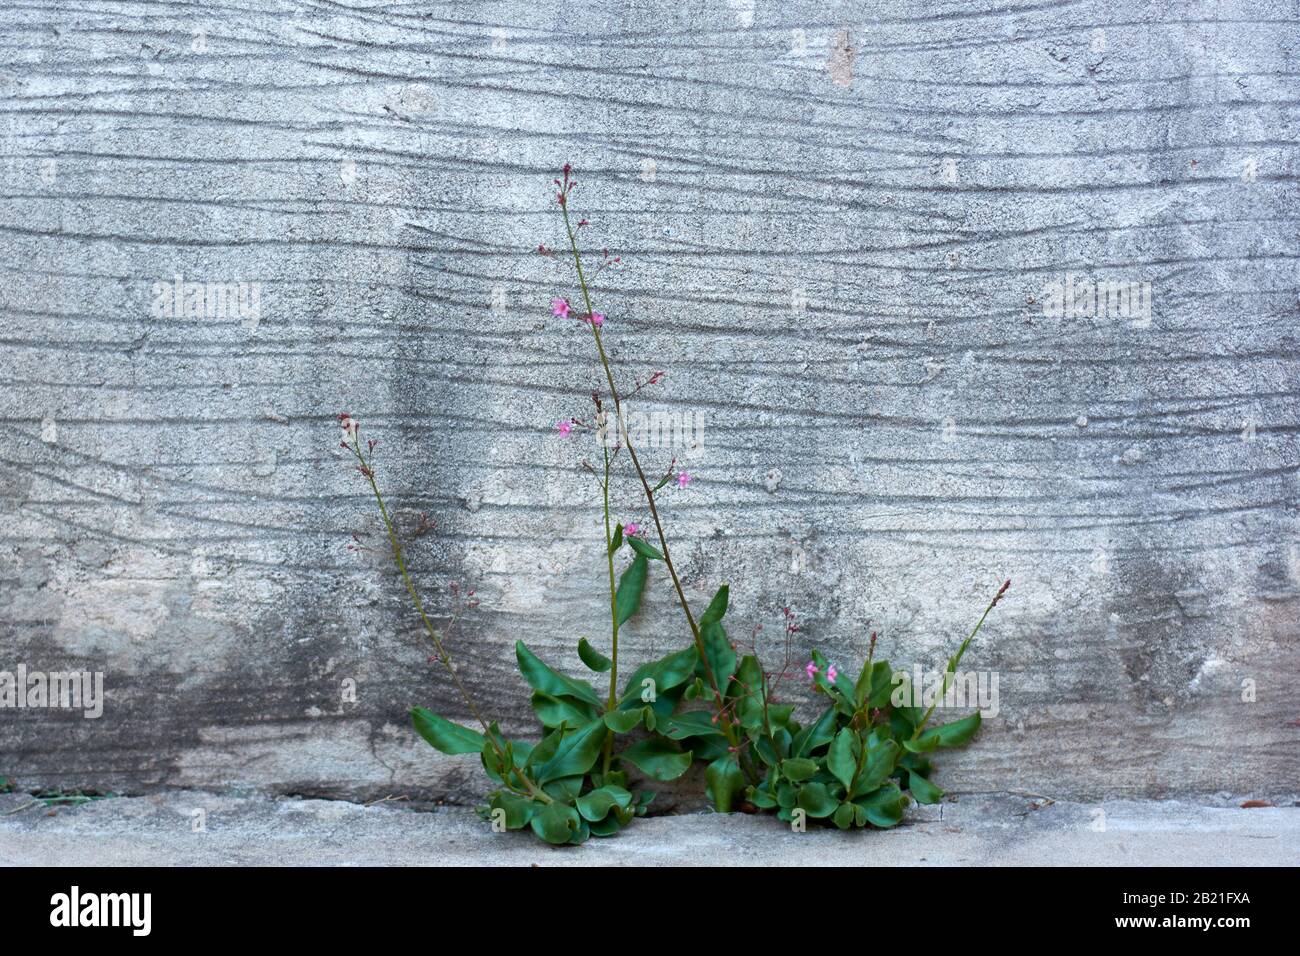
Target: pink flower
[560, 307]
[597, 319]
[683, 480]
[565, 428]
[830, 673]
[810, 670]
[631, 528]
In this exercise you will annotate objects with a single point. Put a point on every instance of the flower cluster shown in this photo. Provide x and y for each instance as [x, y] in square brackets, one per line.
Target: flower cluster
[561, 309]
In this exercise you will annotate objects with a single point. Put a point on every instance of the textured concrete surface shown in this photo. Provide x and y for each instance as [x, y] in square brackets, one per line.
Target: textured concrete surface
[1005, 830]
[838, 222]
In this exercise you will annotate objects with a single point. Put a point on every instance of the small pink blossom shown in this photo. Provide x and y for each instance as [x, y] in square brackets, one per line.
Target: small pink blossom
[810, 670]
[597, 319]
[350, 426]
[560, 307]
[683, 480]
[631, 528]
[831, 672]
[566, 428]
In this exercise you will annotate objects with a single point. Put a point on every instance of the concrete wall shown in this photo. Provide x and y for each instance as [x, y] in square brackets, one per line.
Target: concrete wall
[838, 221]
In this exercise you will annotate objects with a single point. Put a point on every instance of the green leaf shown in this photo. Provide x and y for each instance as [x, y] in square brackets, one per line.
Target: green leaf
[779, 715]
[667, 673]
[554, 711]
[622, 721]
[565, 789]
[817, 800]
[761, 798]
[876, 769]
[581, 834]
[902, 723]
[615, 778]
[725, 782]
[862, 689]
[747, 688]
[444, 735]
[786, 795]
[916, 763]
[901, 690]
[545, 750]
[630, 585]
[844, 815]
[954, 734]
[593, 658]
[493, 765]
[842, 758]
[815, 735]
[576, 753]
[556, 822]
[923, 790]
[658, 758]
[721, 655]
[596, 805]
[717, 607]
[874, 684]
[617, 540]
[692, 723]
[884, 807]
[643, 549]
[543, 678]
[606, 827]
[518, 809]
[798, 769]
[708, 749]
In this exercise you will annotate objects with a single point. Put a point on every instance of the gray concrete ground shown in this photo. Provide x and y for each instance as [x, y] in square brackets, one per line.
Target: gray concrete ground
[976, 830]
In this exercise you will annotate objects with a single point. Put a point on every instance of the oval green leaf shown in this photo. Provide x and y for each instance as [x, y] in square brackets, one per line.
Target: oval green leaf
[543, 678]
[627, 599]
[593, 658]
[444, 735]
[657, 758]
[643, 549]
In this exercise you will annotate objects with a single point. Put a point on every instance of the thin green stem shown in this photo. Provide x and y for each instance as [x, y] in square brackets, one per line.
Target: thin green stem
[444, 657]
[955, 661]
[727, 727]
[613, 618]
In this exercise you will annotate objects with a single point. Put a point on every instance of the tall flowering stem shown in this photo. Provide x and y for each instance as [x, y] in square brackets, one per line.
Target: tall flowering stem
[725, 721]
[608, 752]
[955, 661]
[514, 777]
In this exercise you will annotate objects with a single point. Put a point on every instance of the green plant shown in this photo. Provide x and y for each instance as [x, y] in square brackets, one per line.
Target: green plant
[875, 750]
[555, 786]
[854, 765]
